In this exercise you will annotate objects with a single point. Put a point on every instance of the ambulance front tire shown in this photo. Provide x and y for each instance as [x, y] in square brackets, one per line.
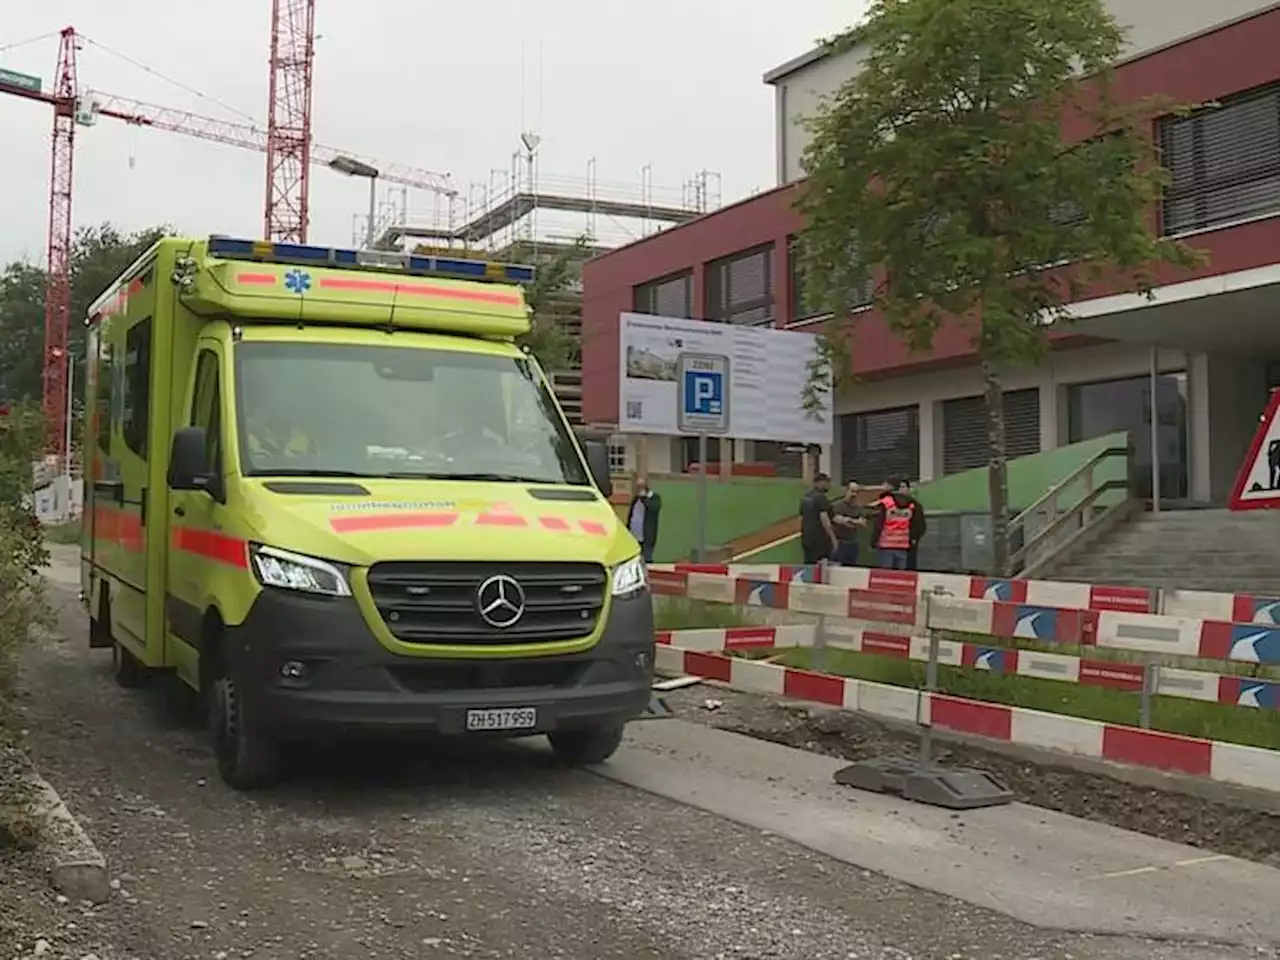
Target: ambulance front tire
[586, 746]
[247, 758]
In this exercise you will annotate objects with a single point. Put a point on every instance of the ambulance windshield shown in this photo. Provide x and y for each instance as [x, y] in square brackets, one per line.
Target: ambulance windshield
[325, 409]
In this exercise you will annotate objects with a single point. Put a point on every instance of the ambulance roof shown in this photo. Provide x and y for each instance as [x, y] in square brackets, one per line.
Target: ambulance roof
[299, 283]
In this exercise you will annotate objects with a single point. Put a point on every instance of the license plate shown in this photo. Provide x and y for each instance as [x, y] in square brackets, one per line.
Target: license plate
[505, 718]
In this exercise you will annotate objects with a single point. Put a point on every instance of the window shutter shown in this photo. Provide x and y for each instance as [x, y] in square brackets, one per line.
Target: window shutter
[1224, 162]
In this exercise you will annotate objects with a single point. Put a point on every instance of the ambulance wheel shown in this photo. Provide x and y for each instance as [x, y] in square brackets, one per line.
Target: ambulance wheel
[127, 669]
[247, 758]
[580, 748]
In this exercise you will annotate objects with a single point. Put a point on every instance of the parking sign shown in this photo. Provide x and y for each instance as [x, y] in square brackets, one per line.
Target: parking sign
[703, 380]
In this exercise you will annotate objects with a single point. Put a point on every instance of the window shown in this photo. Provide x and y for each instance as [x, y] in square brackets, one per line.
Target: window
[669, 297]
[740, 288]
[135, 415]
[688, 452]
[404, 412]
[880, 444]
[103, 380]
[787, 458]
[964, 429]
[1097, 409]
[206, 407]
[1224, 162]
[617, 455]
[802, 306]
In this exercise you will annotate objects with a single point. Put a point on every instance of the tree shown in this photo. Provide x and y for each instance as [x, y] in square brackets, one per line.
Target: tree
[555, 297]
[98, 256]
[941, 175]
[22, 549]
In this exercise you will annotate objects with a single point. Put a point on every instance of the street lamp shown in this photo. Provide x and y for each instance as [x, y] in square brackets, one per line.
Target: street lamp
[358, 168]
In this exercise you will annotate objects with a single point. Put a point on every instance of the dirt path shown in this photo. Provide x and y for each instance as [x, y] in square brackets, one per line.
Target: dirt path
[489, 855]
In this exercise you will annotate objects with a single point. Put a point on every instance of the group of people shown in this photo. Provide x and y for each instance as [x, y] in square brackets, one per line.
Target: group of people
[831, 532]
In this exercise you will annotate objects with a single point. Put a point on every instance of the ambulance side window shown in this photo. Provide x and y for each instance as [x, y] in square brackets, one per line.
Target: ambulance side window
[102, 388]
[206, 407]
[137, 387]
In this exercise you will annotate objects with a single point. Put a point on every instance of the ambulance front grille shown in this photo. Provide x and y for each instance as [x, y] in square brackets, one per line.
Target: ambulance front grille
[436, 602]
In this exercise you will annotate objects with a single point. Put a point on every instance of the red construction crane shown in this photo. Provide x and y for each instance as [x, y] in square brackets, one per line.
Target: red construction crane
[288, 162]
[95, 103]
[57, 292]
[293, 50]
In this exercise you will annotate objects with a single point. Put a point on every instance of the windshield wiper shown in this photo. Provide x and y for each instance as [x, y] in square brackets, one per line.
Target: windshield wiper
[300, 472]
[479, 477]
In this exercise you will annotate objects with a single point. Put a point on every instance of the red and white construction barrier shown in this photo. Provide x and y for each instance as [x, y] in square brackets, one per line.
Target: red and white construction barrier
[1170, 753]
[1194, 604]
[1234, 691]
[891, 597]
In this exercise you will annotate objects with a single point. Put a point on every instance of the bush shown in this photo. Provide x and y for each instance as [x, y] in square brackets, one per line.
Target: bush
[22, 549]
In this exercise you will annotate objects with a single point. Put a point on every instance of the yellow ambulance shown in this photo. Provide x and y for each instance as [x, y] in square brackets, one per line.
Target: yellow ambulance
[328, 490]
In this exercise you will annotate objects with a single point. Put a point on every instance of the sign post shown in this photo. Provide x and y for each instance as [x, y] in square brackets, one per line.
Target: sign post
[703, 408]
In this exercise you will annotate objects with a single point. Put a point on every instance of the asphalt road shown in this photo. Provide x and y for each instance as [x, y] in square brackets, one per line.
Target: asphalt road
[426, 853]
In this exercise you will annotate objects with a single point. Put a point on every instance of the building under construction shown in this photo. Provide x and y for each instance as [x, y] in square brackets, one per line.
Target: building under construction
[520, 215]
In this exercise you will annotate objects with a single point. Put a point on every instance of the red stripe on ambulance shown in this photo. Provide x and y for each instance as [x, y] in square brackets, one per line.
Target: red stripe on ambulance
[501, 519]
[419, 290]
[212, 545]
[362, 522]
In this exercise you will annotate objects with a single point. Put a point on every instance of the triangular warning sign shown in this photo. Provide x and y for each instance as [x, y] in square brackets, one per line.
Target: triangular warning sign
[1257, 484]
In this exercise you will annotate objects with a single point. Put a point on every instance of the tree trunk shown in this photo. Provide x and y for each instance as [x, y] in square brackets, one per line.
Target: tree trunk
[997, 470]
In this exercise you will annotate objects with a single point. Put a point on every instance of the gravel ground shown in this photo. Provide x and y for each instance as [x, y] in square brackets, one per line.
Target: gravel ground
[1221, 827]
[486, 855]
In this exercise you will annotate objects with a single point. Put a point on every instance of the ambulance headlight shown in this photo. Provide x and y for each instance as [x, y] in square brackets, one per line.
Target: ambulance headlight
[293, 571]
[630, 577]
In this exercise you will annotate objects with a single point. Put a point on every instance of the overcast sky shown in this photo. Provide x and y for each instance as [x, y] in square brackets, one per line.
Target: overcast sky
[449, 87]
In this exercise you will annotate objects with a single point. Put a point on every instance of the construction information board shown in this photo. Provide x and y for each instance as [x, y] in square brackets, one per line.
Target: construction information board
[761, 374]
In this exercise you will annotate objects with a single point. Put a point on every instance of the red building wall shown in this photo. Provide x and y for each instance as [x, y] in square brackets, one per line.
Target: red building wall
[1200, 70]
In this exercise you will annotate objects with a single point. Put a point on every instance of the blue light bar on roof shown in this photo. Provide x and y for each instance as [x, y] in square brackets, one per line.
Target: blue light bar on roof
[266, 251]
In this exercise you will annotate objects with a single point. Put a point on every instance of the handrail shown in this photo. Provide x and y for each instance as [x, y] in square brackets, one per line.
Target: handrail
[1071, 524]
[1053, 492]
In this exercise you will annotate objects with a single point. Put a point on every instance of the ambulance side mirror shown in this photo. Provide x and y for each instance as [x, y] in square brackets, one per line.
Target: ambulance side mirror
[597, 452]
[188, 465]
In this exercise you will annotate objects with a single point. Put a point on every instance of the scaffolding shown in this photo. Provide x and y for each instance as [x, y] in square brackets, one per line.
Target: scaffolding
[521, 205]
[523, 216]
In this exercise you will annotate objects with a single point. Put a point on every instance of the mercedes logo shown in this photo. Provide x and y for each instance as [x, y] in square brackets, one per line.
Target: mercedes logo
[500, 601]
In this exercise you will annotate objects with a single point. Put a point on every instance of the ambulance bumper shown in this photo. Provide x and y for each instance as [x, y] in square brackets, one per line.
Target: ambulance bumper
[311, 668]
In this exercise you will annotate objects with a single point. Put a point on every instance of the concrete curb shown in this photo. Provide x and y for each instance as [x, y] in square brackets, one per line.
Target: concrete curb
[77, 868]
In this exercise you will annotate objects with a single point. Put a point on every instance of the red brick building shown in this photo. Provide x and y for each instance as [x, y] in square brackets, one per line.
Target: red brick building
[1207, 348]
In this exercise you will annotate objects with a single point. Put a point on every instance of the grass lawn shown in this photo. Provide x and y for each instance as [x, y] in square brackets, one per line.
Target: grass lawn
[1212, 721]
[734, 509]
[680, 613]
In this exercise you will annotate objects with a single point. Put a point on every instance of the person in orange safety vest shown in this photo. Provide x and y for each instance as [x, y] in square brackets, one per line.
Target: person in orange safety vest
[898, 525]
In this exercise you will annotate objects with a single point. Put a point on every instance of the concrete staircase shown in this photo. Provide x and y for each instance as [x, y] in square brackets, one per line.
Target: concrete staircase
[1184, 549]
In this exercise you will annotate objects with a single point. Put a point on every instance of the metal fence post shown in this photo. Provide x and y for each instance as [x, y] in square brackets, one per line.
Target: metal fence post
[1150, 681]
[820, 644]
[930, 687]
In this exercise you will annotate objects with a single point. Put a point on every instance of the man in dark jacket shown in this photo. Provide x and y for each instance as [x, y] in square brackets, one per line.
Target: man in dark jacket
[817, 535]
[642, 517]
[922, 527]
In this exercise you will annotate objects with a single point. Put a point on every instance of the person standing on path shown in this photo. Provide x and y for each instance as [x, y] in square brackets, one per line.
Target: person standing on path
[642, 517]
[817, 535]
[849, 517]
[918, 530]
[898, 522]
